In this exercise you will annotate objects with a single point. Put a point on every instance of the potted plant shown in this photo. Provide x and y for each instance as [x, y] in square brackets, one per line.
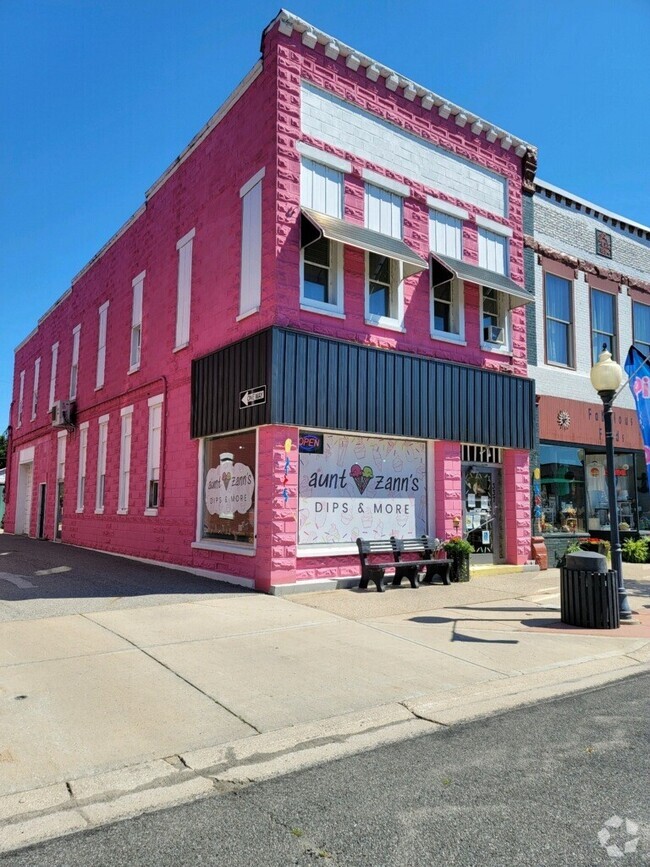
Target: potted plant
[458, 551]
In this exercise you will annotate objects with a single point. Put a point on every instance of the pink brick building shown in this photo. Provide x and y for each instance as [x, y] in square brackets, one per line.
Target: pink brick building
[313, 329]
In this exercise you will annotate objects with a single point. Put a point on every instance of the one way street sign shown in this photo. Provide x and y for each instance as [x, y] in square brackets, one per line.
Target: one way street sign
[252, 397]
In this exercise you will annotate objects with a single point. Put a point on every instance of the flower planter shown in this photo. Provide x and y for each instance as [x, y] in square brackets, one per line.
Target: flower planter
[459, 566]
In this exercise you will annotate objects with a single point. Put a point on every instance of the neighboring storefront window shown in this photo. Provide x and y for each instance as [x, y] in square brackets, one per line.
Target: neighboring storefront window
[563, 489]
[643, 494]
[229, 488]
[597, 494]
[361, 487]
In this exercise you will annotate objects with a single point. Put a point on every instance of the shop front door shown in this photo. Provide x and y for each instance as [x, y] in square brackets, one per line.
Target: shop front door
[482, 513]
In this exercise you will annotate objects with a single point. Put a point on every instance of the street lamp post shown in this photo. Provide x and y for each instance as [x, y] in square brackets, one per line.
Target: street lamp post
[606, 377]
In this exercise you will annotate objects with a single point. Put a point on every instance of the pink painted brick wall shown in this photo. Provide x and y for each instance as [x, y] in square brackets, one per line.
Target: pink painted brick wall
[296, 62]
[448, 488]
[516, 483]
[203, 193]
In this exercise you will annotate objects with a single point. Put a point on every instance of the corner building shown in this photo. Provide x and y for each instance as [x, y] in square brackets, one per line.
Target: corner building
[313, 329]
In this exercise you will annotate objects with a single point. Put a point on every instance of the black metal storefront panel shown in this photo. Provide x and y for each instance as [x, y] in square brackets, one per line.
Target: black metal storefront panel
[218, 381]
[320, 382]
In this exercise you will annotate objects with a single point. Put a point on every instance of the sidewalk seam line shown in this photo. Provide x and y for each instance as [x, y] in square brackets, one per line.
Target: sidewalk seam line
[180, 677]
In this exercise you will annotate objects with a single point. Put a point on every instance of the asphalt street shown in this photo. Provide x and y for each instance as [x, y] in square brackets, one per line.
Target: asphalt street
[48, 579]
[536, 786]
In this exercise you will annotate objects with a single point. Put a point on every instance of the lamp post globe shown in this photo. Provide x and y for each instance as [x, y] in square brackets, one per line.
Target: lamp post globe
[606, 377]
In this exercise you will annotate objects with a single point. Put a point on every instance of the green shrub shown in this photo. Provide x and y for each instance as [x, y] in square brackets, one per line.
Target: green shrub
[635, 550]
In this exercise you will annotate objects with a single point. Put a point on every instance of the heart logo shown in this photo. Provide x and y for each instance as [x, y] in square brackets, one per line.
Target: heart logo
[225, 478]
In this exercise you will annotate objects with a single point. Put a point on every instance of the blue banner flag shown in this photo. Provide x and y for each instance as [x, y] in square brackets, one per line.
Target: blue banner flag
[637, 367]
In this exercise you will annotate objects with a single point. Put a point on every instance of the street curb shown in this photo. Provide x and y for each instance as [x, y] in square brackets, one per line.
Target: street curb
[32, 817]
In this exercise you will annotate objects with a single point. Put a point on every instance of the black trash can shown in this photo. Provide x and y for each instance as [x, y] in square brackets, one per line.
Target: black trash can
[589, 592]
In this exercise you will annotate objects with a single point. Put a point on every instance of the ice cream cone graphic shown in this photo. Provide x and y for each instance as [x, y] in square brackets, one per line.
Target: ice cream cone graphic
[361, 476]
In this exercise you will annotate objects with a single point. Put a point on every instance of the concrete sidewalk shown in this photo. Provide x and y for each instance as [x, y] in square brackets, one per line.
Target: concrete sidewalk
[113, 710]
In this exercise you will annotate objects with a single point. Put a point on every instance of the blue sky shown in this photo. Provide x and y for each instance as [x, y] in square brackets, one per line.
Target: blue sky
[97, 99]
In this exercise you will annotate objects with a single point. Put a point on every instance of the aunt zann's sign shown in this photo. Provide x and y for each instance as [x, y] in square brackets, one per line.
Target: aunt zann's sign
[229, 488]
[361, 486]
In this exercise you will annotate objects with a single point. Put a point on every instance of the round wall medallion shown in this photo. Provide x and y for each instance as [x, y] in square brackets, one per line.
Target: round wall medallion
[563, 419]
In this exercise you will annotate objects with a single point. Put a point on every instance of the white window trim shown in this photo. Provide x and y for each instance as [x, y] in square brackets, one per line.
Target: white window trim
[506, 251]
[83, 453]
[433, 247]
[102, 455]
[187, 238]
[21, 398]
[384, 183]
[55, 360]
[447, 208]
[252, 182]
[101, 350]
[325, 159]
[497, 348]
[37, 375]
[493, 226]
[458, 287]
[76, 342]
[243, 548]
[367, 194]
[338, 251]
[156, 400]
[125, 457]
[388, 322]
[139, 280]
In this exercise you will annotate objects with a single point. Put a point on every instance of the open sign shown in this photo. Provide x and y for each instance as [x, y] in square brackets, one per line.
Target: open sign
[310, 443]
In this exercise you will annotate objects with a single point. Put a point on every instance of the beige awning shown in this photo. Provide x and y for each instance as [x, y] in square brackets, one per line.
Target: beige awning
[321, 225]
[444, 268]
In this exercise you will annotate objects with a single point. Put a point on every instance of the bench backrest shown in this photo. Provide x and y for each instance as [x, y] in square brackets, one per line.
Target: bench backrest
[431, 544]
[374, 546]
[409, 546]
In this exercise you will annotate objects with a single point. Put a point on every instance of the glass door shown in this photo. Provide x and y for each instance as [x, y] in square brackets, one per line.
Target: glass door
[481, 513]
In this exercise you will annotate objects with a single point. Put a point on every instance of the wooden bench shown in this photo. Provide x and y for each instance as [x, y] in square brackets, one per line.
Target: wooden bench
[424, 549]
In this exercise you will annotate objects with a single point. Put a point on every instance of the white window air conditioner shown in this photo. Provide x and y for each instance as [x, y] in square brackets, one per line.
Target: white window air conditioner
[494, 334]
[63, 413]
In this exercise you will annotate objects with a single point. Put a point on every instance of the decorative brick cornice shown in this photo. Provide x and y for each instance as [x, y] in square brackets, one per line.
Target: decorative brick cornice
[585, 266]
[311, 36]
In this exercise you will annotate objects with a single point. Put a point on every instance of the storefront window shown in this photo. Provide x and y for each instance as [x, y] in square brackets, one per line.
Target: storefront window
[361, 487]
[229, 488]
[563, 489]
[597, 494]
[643, 493]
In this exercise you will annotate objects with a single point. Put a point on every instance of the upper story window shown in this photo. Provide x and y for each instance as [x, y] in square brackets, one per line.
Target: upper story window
[136, 323]
[74, 366]
[641, 327]
[384, 277]
[446, 238]
[492, 251]
[101, 345]
[321, 190]
[446, 234]
[37, 374]
[383, 211]
[153, 455]
[55, 358]
[495, 318]
[603, 324]
[21, 398]
[250, 290]
[558, 311]
[184, 290]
